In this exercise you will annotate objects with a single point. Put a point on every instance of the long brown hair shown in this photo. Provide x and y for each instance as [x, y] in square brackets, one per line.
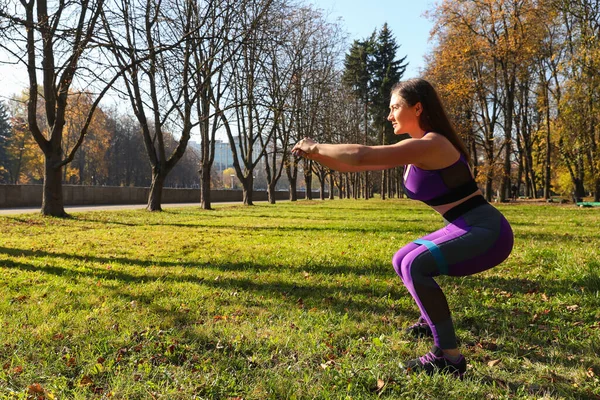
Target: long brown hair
[433, 118]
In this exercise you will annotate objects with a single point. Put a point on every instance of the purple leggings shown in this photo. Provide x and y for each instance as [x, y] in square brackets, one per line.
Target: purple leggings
[474, 242]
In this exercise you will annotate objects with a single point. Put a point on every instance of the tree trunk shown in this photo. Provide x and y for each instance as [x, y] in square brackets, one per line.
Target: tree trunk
[508, 117]
[340, 185]
[331, 186]
[248, 184]
[322, 188]
[271, 192]
[578, 190]
[293, 189]
[548, 169]
[205, 201]
[52, 200]
[308, 181]
[488, 188]
[155, 197]
[292, 179]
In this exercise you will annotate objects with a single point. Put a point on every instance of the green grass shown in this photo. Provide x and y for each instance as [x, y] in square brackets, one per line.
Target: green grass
[291, 301]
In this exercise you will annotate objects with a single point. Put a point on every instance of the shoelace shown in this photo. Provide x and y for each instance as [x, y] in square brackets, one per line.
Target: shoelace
[421, 322]
[428, 358]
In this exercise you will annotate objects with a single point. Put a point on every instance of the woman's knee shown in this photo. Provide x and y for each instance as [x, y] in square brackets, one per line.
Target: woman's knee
[399, 257]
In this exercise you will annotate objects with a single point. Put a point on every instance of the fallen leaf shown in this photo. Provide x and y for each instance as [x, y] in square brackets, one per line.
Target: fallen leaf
[574, 307]
[20, 299]
[35, 389]
[487, 345]
[85, 381]
[380, 384]
[493, 363]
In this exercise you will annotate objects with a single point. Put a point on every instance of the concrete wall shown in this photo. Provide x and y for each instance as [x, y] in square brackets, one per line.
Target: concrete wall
[31, 195]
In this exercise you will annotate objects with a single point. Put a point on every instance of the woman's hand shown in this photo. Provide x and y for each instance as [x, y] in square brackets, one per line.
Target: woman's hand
[305, 148]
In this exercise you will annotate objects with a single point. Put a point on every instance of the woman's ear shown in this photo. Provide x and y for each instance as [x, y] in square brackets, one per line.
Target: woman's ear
[418, 108]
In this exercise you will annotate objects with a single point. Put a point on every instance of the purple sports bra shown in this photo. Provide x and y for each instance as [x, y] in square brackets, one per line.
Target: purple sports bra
[440, 186]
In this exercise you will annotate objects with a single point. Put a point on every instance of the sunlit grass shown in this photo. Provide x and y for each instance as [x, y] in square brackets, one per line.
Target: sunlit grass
[297, 300]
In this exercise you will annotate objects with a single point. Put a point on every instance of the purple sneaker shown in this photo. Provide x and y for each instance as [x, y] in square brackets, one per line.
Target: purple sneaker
[435, 362]
[420, 329]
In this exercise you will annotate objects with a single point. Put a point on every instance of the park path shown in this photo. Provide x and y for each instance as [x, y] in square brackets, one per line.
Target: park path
[105, 207]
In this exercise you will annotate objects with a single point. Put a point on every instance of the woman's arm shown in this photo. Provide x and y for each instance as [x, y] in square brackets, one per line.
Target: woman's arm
[427, 150]
[337, 165]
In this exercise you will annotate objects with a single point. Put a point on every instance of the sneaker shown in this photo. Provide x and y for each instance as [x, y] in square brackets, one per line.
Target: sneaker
[420, 330]
[435, 362]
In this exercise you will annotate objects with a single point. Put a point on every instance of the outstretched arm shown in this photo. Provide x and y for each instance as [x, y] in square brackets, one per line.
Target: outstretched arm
[357, 157]
[337, 165]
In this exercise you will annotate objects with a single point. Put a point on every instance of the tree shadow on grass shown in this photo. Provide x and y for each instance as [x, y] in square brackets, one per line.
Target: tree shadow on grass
[551, 383]
[310, 293]
[527, 327]
[357, 227]
[245, 266]
[324, 294]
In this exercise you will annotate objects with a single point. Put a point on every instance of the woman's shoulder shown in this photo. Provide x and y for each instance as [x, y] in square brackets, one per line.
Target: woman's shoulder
[442, 152]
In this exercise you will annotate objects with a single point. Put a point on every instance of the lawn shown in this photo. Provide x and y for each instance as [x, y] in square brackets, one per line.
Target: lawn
[287, 301]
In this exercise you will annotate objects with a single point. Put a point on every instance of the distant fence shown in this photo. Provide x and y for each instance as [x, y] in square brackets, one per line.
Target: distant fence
[31, 195]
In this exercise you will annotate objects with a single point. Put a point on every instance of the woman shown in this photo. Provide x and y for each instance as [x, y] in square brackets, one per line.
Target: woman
[476, 236]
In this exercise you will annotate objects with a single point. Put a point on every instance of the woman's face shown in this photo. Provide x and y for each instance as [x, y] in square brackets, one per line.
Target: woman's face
[405, 118]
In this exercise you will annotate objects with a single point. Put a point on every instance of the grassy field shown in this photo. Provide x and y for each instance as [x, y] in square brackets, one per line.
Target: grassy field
[287, 301]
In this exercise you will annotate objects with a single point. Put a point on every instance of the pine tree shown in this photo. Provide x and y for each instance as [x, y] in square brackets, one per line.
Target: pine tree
[356, 74]
[357, 77]
[5, 131]
[370, 71]
[385, 72]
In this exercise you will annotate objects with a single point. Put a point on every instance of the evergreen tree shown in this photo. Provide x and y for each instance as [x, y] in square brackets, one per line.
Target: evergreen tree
[5, 130]
[370, 71]
[385, 72]
[356, 74]
[357, 77]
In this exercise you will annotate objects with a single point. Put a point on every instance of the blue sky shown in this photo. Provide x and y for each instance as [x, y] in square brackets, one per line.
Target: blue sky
[358, 17]
[404, 17]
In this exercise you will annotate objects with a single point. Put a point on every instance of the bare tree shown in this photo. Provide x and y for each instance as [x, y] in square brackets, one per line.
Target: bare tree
[246, 114]
[53, 40]
[216, 43]
[302, 62]
[318, 47]
[154, 38]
